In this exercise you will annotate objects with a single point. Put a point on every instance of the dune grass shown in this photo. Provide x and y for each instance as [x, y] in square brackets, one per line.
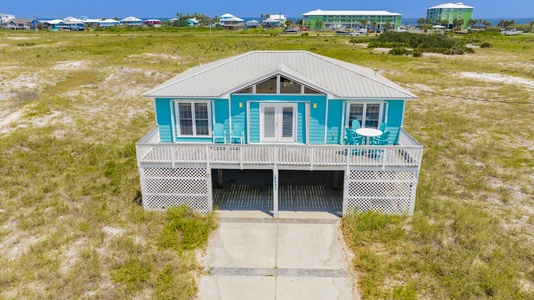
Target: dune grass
[72, 227]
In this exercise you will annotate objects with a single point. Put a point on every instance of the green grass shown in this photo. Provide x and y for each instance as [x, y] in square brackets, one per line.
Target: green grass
[69, 180]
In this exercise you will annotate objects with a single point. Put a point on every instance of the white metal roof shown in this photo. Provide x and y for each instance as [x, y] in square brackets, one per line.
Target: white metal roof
[131, 19]
[72, 20]
[229, 17]
[451, 5]
[54, 22]
[336, 78]
[319, 12]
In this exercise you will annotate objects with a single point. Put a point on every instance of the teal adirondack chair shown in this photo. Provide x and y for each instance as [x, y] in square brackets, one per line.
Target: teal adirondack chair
[383, 127]
[351, 138]
[355, 124]
[218, 134]
[238, 134]
[381, 140]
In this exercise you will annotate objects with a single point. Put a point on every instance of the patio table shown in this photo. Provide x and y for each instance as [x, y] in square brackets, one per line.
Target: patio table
[368, 132]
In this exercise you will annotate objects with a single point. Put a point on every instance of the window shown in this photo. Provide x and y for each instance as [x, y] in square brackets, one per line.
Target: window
[193, 118]
[278, 85]
[267, 87]
[287, 86]
[369, 114]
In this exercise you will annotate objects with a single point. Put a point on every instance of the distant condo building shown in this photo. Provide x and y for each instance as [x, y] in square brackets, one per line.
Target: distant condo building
[352, 19]
[449, 12]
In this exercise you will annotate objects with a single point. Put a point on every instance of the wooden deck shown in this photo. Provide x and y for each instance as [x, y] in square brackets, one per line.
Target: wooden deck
[150, 152]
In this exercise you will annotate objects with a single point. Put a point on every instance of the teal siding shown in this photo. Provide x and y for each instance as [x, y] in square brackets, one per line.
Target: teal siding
[394, 119]
[317, 117]
[163, 119]
[335, 114]
[254, 122]
[301, 123]
[317, 120]
[238, 114]
[221, 113]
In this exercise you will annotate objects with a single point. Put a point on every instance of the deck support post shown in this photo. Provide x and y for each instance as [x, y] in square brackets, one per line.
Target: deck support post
[220, 177]
[275, 193]
[335, 184]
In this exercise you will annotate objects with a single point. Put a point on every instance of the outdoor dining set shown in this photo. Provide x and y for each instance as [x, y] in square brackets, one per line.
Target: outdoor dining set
[366, 136]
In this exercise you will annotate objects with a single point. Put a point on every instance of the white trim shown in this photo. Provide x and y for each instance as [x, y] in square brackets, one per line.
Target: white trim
[248, 122]
[230, 115]
[307, 121]
[278, 116]
[386, 111]
[193, 118]
[342, 131]
[326, 121]
[173, 121]
[403, 108]
[364, 111]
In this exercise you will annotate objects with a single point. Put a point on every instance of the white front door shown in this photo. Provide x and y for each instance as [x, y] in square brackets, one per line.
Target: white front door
[278, 122]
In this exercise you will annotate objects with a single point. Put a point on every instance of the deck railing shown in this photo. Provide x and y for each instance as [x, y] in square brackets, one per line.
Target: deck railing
[282, 156]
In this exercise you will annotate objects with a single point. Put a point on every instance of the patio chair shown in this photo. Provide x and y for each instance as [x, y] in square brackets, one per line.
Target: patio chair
[381, 140]
[238, 134]
[355, 124]
[383, 127]
[351, 138]
[218, 133]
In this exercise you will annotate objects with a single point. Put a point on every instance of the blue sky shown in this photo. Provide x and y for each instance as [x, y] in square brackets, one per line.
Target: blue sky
[248, 8]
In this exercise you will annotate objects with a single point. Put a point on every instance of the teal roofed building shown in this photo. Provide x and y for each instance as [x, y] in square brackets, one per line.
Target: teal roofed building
[277, 111]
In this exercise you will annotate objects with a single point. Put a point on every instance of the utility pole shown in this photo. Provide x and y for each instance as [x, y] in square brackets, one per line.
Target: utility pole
[280, 23]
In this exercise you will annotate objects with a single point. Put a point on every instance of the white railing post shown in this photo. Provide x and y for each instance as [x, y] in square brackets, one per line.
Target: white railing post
[173, 156]
[349, 153]
[275, 157]
[384, 158]
[241, 157]
[312, 157]
[207, 156]
[275, 193]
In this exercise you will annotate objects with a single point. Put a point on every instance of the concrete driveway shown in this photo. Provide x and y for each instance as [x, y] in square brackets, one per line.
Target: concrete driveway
[286, 258]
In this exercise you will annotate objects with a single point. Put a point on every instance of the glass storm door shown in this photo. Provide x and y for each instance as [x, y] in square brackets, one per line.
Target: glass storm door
[278, 122]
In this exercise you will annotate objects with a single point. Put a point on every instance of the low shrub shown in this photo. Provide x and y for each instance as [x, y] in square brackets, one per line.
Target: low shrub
[417, 54]
[486, 45]
[305, 34]
[398, 51]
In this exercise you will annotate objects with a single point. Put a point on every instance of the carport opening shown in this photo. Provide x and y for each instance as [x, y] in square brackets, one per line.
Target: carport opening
[311, 191]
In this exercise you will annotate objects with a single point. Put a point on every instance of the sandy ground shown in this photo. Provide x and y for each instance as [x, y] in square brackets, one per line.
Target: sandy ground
[492, 77]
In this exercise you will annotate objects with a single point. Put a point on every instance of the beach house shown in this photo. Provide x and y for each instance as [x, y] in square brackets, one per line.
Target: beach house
[232, 22]
[279, 111]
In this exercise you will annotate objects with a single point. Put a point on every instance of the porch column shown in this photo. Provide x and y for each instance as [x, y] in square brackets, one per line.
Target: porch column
[220, 177]
[275, 193]
[336, 180]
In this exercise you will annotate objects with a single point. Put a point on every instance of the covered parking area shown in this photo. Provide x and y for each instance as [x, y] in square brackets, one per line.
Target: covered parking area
[252, 190]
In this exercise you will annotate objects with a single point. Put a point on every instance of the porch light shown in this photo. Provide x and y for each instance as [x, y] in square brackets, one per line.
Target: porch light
[240, 104]
[315, 105]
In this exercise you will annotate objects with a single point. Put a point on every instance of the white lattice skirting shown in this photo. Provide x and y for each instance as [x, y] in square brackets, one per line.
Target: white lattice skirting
[390, 192]
[168, 187]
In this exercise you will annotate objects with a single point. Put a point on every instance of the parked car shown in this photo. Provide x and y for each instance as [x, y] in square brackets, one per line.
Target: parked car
[355, 33]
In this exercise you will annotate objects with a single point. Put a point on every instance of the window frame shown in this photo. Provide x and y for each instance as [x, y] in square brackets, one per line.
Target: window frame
[178, 129]
[364, 113]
